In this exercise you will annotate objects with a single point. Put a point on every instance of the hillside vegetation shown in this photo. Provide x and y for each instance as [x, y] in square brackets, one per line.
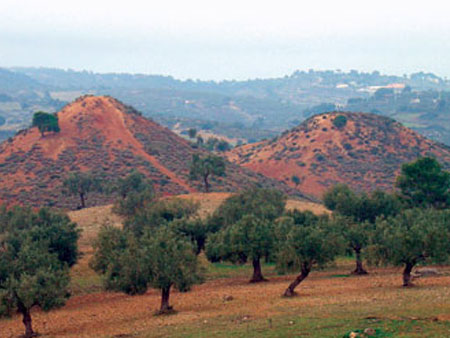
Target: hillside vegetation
[104, 136]
[362, 150]
[247, 110]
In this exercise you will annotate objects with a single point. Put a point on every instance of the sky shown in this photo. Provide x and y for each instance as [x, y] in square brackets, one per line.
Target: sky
[216, 40]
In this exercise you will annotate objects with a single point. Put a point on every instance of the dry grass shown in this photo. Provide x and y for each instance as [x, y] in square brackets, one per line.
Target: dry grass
[90, 220]
[211, 201]
[316, 208]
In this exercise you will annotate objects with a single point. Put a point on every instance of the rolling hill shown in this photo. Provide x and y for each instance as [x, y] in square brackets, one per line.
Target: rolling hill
[363, 150]
[103, 135]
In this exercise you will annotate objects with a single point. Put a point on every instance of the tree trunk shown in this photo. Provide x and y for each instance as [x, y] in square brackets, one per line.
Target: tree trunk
[407, 274]
[359, 266]
[205, 180]
[27, 322]
[83, 203]
[306, 268]
[257, 273]
[165, 307]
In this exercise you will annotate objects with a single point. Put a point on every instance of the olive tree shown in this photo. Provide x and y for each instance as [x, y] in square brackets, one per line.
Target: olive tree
[160, 212]
[243, 228]
[251, 238]
[266, 204]
[314, 241]
[161, 259]
[80, 184]
[45, 122]
[424, 183]
[192, 132]
[412, 237]
[204, 167]
[356, 213]
[193, 228]
[37, 251]
[135, 191]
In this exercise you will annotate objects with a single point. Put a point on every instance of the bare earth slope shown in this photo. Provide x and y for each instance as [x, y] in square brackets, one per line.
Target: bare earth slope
[366, 153]
[103, 135]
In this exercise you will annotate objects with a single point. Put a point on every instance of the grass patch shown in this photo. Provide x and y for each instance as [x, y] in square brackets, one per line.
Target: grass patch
[339, 276]
[228, 270]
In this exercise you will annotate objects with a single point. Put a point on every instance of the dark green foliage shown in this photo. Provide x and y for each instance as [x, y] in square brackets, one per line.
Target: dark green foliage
[80, 184]
[412, 237]
[356, 213]
[296, 180]
[37, 250]
[134, 201]
[192, 132]
[424, 183]
[203, 167]
[110, 243]
[134, 181]
[304, 242]
[53, 228]
[134, 191]
[160, 213]
[159, 258]
[249, 239]
[340, 121]
[223, 145]
[244, 228]
[211, 143]
[360, 206]
[304, 218]
[266, 204]
[45, 122]
[194, 229]
[316, 241]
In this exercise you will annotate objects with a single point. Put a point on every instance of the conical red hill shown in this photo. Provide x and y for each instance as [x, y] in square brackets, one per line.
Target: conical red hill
[366, 153]
[103, 135]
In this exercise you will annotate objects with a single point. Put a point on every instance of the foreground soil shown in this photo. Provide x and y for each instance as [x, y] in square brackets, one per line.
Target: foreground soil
[330, 303]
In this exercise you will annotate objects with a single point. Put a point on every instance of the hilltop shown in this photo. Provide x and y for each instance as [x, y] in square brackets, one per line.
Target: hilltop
[102, 134]
[365, 151]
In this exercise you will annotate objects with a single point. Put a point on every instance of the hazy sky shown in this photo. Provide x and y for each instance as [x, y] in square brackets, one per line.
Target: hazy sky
[226, 39]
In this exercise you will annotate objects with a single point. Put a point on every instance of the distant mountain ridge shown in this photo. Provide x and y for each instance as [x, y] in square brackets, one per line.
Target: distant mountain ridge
[103, 135]
[245, 110]
[363, 150]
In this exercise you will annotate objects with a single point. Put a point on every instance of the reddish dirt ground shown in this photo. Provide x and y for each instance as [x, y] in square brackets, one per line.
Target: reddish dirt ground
[107, 314]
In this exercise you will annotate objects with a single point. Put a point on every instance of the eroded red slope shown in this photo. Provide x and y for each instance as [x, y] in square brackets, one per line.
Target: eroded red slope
[366, 153]
[102, 135]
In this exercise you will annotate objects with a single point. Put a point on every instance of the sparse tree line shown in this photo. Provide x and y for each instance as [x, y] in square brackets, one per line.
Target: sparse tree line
[162, 238]
[211, 143]
[81, 184]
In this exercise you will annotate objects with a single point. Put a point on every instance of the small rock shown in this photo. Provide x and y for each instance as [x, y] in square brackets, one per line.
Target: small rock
[426, 272]
[353, 334]
[291, 322]
[370, 332]
[205, 321]
[227, 298]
